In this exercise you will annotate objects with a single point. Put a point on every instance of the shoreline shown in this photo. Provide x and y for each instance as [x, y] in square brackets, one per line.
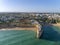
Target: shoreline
[58, 24]
[19, 28]
[26, 28]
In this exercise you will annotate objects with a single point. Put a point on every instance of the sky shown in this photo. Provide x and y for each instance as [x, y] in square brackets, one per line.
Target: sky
[29, 5]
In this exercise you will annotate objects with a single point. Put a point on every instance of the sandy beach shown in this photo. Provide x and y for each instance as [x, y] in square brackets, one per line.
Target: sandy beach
[58, 24]
[19, 28]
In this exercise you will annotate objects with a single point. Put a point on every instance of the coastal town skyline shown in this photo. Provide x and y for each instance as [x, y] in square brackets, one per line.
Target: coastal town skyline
[29, 5]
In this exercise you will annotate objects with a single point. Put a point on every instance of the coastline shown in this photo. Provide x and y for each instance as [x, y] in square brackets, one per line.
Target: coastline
[18, 28]
[58, 24]
[27, 28]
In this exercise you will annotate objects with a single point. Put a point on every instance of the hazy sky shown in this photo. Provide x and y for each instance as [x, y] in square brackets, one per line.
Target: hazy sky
[29, 5]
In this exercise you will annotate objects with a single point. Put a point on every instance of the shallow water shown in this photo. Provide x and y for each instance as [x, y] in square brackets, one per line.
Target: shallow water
[50, 36]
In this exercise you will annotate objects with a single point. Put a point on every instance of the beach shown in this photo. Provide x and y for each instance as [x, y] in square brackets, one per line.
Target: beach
[19, 28]
[58, 24]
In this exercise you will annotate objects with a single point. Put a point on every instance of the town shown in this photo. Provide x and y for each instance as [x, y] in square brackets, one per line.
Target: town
[41, 17]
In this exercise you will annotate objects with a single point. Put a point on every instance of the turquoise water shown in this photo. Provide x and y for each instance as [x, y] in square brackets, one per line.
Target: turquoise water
[50, 36]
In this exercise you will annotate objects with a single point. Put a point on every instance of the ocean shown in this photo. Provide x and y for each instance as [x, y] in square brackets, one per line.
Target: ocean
[50, 36]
